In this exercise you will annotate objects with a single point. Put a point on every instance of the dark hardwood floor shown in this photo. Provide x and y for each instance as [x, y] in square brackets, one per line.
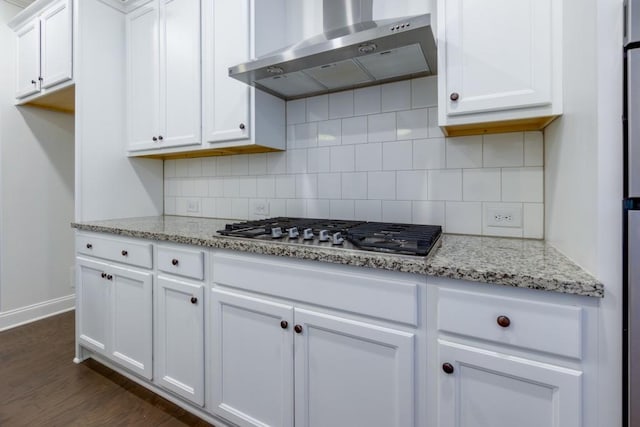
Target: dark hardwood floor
[41, 386]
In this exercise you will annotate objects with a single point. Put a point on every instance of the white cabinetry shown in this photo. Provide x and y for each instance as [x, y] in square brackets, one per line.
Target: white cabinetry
[501, 361]
[115, 313]
[482, 388]
[339, 369]
[163, 75]
[179, 354]
[236, 116]
[44, 48]
[500, 65]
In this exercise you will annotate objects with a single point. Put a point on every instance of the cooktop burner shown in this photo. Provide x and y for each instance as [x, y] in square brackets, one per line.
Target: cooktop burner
[408, 239]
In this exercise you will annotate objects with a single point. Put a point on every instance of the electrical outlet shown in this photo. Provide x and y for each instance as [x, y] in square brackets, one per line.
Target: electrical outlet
[193, 206]
[260, 208]
[504, 217]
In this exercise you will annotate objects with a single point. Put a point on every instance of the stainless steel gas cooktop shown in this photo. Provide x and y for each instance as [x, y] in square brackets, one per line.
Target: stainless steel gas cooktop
[406, 239]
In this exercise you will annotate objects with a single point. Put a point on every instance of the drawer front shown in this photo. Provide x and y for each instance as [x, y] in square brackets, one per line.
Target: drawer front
[547, 327]
[120, 250]
[182, 262]
[371, 294]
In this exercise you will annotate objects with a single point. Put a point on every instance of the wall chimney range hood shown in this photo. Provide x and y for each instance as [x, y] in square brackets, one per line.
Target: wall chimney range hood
[353, 51]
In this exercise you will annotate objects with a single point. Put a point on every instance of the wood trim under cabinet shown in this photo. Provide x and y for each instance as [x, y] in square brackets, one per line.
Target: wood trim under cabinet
[504, 126]
[63, 100]
[226, 151]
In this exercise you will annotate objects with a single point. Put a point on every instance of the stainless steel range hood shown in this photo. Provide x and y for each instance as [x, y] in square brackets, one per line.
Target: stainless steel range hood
[353, 51]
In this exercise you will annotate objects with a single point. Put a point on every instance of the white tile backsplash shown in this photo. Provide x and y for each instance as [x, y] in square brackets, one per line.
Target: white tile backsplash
[341, 104]
[374, 154]
[503, 150]
[412, 124]
[381, 127]
[396, 96]
[397, 155]
[464, 152]
[318, 108]
[366, 101]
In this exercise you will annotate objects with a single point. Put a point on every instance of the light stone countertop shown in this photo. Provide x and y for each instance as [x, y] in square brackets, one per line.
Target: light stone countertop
[522, 263]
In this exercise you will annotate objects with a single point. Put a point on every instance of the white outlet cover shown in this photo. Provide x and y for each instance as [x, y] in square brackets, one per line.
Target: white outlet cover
[504, 216]
[259, 207]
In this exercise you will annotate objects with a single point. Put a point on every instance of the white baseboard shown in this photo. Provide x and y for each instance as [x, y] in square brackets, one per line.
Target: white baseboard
[20, 316]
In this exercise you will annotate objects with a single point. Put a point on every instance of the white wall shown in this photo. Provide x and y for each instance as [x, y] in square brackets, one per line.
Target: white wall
[583, 175]
[103, 171]
[372, 154]
[36, 203]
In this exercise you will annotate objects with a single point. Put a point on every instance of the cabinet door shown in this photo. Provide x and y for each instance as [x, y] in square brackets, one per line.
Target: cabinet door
[143, 74]
[489, 389]
[180, 113]
[227, 101]
[180, 338]
[56, 46]
[28, 59]
[498, 54]
[131, 315]
[252, 360]
[351, 373]
[93, 302]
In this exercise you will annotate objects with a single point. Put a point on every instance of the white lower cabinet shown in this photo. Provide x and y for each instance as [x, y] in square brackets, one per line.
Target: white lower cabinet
[339, 372]
[350, 373]
[179, 351]
[251, 360]
[482, 388]
[115, 313]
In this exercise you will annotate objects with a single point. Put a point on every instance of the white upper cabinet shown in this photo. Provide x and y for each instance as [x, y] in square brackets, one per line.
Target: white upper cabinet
[143, 75]
[163, 75]
[44, 34]
[499, 64]
[28, 64]
[236, 116]
[56, 44]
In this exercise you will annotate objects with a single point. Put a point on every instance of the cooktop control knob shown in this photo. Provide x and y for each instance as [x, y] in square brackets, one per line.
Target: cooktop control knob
[276, 232]
[307, 234]
[293, 233]
[337, 239]
[324, 236]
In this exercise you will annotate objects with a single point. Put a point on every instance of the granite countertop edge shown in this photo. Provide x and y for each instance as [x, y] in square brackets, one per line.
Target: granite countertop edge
[563, 277]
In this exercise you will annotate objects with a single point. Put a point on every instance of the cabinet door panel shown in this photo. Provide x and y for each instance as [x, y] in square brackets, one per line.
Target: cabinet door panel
[180, 335]
[131, 319]
[28, 60]
[350, 373]
[498, 54]
[180, 72]
[93, 301]
[227, 101]
[252, 356]
[488, 389]
[143, 84]
[56, 48]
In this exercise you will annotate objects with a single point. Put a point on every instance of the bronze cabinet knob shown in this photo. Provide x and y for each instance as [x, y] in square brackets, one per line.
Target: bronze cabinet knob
[175, 261]
[447, 368]
[242, 126]
[284, 324]
[454, 96]
[194, 300]
[503, 321]
[155, 138]
[124, 252]
[298, 329]
[89, 246]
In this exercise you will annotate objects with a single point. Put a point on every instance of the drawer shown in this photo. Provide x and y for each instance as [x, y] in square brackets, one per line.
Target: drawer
[356, 290]
[120, 250]
[181, 262]
[541, 326]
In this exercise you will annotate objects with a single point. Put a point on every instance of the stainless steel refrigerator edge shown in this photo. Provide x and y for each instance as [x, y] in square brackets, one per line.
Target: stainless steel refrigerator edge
[631, 212]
